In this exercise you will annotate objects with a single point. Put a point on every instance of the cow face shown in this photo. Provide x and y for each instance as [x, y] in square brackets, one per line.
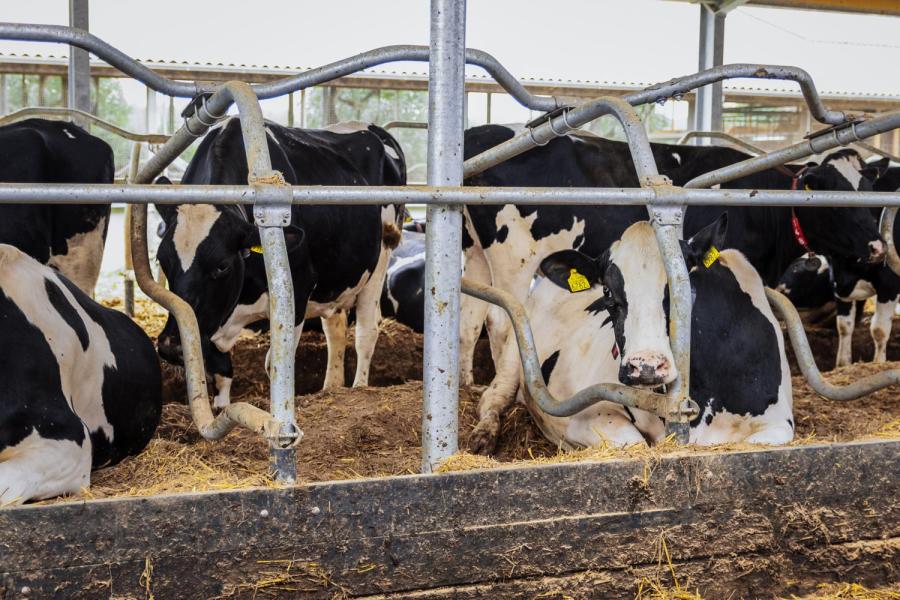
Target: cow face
[849, 232]
[203, 252]
[634, 282]
[807, 281]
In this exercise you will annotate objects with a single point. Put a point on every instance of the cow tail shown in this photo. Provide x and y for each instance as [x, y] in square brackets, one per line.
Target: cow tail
[390, 235]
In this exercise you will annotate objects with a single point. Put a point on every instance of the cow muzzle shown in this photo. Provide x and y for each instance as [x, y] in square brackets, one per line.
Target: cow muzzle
[876, 251]
[647, 368]
[169, 348]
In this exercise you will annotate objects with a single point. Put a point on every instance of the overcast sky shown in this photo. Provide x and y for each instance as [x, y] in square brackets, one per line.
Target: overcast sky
[595, 40]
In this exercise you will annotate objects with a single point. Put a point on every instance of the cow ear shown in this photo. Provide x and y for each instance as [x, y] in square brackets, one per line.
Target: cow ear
[293, 237]
[877, 169]
[166, 211]
[572, 270]
[703, 248]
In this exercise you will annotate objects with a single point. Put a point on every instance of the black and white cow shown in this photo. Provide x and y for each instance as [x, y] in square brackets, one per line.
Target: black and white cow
[69, 238]
[403, 298]
[850, 282]
[82, 384]
[617, 332]
[338, 254]
[503, 245]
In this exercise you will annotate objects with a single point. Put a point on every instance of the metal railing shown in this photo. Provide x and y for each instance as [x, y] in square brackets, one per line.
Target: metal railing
[272, 200]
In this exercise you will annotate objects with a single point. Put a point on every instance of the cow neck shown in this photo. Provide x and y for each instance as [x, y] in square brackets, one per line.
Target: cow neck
[795, 222]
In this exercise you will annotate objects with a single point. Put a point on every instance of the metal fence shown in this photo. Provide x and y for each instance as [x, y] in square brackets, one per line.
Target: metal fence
[272, 200]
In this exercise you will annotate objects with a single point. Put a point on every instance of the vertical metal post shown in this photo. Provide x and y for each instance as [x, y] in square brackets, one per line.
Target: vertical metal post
[488, 119]
[440, 418]
[170, 124]
[2, 94]
[708, 114]
[134, 166]
[150, 124]
[303, 108]
[79, 62]
[290, 116]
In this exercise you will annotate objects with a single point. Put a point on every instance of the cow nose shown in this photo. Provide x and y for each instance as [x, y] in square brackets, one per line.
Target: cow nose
[646, 368]
[876, 251]
[169, 349]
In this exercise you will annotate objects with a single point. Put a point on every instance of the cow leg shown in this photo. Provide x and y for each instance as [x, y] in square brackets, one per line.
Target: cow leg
[368, 318]
[495, 400]
[846, 319]
[39, 467]
[335, 328]
[219, 365]
[881, 328]
[472, 313]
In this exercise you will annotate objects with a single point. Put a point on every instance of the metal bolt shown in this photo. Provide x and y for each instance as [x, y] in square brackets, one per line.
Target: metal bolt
[264, 513]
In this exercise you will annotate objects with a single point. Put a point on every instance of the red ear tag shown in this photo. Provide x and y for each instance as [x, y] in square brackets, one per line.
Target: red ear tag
[615, 350]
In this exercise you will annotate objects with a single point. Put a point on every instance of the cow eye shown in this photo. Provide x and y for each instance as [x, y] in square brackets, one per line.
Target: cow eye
[245, 253]
[222, 269]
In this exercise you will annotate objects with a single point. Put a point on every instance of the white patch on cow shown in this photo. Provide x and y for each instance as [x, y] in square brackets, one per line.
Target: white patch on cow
[845, 325]
[638, 258]
[243, 315]
[223, 391]
[81, 262]
[347, 127]
[38, 467]
[823, 266]
[81, 371]
[391, 152]
[334, 327]
[772, 426]
[194, 222]
[861, 291]
[677, 158]
[849, 168]
[345, 300]
[68, 133]
[880, 329]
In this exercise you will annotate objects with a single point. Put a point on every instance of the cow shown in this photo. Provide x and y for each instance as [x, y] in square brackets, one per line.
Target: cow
[403, 298]
[850, 282]
[82, 383]
[503, 245]
[338, 254]
[616, 331]
[68, 237]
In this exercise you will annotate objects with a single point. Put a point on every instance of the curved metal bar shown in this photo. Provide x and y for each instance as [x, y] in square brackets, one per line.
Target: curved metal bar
[674, 88]
[718, 135]
[405, 125]
[378, 56]
[534, 380]
[65, 113]
[807, 362]
[279, 429]
[817, 144]
[876, 150]
[886, 225]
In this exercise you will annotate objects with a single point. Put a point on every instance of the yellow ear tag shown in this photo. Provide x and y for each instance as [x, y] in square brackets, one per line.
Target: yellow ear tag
[711, 256]
[807, 188]
[577, 281]
[256, 249]
[408, 219]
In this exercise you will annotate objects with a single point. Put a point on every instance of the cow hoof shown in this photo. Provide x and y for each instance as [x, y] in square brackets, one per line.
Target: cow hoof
[220, 402]
[483, 439]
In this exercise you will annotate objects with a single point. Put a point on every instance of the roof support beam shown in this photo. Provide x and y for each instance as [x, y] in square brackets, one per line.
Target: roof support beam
[79, 85]
[708, 110]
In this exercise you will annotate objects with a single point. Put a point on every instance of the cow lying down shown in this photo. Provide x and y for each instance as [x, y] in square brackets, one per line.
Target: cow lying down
[616, 332]
[81, 383]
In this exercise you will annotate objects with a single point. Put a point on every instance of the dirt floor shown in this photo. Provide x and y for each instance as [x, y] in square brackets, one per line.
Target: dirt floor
[374, 431]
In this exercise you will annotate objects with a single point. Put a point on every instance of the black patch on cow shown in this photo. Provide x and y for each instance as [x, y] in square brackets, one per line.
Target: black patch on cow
[709, 419]
[501, 234]
[735, 360]
[617, 301]
[548, 365]
[67, 312]
[579, 241]
[791, 423]
[630, 414]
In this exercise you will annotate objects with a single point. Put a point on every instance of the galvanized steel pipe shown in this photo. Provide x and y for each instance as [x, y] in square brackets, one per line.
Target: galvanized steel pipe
[531, 366]
[807, 362]
[818, 143]
[675, 88]
[45, 112]
[886, 225]
[379, 56]
[443, 241]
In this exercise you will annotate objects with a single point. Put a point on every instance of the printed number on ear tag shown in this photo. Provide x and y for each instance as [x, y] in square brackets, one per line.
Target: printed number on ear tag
[256, 249]
[577, 281]
[711, 256]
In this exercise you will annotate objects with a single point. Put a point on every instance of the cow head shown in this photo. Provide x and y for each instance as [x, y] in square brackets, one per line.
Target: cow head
[633, 277]
[849, 232]
[807, 281]
[203, 252]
